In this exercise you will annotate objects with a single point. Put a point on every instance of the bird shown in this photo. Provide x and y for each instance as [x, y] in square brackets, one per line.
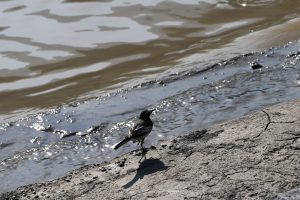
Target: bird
[140, 130]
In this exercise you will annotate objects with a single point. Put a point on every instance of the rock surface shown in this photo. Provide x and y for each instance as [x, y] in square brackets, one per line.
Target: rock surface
[253, 157]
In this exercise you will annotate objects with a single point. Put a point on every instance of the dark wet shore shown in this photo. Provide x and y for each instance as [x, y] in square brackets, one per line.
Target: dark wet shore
[48, 145]
[252, 157]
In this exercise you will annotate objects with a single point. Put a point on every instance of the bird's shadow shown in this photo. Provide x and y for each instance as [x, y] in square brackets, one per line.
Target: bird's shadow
[146, 167]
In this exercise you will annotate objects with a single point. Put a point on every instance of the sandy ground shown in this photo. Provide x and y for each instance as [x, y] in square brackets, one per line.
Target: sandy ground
[254, 157]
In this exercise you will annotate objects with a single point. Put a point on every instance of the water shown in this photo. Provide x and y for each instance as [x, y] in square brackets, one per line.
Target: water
[59, 51]
[116, 58]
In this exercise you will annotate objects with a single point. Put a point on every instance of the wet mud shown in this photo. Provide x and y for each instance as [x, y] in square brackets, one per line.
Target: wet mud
[253, 157]
[43, 146]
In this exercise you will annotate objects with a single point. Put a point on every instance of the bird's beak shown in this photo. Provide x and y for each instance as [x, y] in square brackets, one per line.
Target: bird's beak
[152, 110]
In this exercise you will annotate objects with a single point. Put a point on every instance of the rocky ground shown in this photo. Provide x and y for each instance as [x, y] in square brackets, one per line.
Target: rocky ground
[253, 157]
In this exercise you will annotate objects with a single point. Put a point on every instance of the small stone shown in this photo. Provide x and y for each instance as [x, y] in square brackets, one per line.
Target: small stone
[103, 169]
[255, 65]
[81, 133]
[49, 129]
[292, 55]
[74, 105]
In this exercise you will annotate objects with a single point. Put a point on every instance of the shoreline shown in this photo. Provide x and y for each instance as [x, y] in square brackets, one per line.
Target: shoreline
[71, 136]
[252, 157]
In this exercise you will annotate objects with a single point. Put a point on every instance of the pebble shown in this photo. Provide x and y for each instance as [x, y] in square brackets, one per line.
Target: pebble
[255, 65]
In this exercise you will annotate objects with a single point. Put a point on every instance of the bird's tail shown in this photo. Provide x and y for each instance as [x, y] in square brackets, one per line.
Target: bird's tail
[122, 142]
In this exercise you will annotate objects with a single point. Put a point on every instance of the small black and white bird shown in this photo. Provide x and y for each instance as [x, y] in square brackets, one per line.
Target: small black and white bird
[140, 130]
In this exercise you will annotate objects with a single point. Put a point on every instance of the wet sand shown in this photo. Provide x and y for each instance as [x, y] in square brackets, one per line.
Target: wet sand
[45, 146]
[252, 157]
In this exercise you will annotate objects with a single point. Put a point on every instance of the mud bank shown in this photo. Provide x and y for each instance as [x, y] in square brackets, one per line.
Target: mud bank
[253, 157]
[46, 145]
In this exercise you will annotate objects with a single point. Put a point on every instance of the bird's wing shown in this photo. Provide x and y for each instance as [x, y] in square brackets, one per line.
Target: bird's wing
[139, 130]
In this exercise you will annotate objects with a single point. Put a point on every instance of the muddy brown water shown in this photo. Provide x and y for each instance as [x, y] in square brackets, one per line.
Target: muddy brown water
[69, 66]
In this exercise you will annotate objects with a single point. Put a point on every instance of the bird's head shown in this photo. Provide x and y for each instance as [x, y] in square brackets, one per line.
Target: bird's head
[146, 114]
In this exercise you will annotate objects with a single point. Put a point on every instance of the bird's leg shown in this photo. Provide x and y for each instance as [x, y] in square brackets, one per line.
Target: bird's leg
[142, 142]
[143, 156]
